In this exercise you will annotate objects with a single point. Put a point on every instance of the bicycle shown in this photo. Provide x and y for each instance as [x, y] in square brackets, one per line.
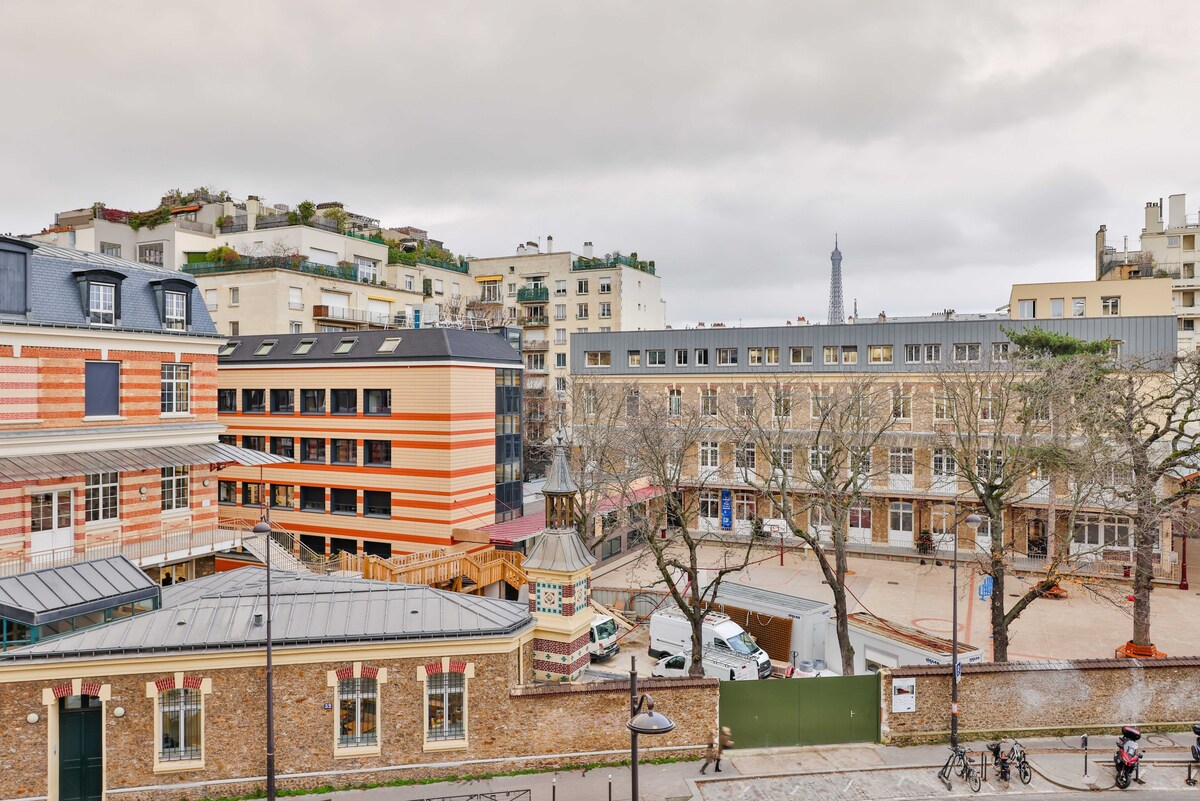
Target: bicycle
[1016, 756]
[959, 762]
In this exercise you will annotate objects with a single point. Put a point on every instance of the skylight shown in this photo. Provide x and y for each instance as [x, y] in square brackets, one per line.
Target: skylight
[228, 348]
[388, 345]
[265, 348]
[304, 346]
[345, 346]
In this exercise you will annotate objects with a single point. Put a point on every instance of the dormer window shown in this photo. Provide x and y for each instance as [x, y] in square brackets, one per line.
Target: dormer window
[174, 299]
[102, 303]
[265, 347]
[345, 346]
[228, 348]
[14, 275]
[175, 310]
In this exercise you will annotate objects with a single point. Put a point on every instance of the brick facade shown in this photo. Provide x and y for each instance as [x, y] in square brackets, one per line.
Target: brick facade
[555, 660]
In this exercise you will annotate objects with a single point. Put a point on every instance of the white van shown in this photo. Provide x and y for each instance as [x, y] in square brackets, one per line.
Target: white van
[671, 633]
[717, 665]
[602, 639]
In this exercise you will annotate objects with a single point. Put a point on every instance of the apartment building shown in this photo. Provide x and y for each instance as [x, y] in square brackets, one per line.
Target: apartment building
[1167, 250]
[716, 370]
[555, 294]
[392, 439]
[108, 423]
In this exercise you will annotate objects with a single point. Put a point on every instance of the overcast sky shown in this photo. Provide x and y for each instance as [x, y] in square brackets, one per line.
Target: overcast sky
[956, 147]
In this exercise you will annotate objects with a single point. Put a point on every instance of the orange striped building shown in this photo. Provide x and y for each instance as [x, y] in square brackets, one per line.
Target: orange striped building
[395, 438]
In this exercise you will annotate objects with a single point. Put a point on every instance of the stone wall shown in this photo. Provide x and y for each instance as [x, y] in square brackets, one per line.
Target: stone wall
[509, 727]
[1046, 697]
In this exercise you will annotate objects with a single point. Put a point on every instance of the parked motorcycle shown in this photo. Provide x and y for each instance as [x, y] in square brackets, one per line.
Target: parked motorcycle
[1000, 762]
[1128, 757]
[1196, 747]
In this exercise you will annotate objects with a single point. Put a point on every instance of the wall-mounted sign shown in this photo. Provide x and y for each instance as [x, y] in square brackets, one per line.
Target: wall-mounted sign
[726, 509]
[904, 694]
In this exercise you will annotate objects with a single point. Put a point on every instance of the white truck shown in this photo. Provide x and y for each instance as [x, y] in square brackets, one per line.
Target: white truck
[884, 643]
[671, 633]
[717, 665]
[602, 639]
[809, 618]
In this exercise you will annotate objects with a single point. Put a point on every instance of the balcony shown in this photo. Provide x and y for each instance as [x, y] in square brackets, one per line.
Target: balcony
[612, 261]
[536, 369]
[293, 264]
[533, 294]
[536, 345]
[337, 314]
[192, 225]
[491, 299]
[535, 322]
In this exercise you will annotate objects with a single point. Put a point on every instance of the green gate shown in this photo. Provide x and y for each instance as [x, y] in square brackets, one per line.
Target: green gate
[813, 711]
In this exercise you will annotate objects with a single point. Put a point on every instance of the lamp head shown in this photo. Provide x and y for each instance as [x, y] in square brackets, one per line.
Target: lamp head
[649, 721]
[262, 527]
[973, 520]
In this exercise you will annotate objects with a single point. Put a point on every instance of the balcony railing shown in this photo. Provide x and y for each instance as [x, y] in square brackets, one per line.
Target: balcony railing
[611, 261]
[360, 316]
[533, 294]
[235, 227]
[192, 225]
[536, 345]
[535, 322]
[366, 237]
[284, 220]
[491, 299]
[293, 264]
[536, 369]
[144, 550]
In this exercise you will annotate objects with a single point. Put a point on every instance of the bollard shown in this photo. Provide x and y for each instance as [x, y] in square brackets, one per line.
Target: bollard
[554, 789]
[610, 787]
[1083, 742]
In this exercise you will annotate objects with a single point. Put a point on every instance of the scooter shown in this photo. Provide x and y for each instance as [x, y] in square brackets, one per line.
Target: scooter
[1000, 761]
[1196, 747]
[1128, 757]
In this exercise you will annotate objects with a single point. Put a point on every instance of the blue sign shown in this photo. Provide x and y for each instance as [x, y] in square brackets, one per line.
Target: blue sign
[957, 672]
[985, 588]
[726, 510]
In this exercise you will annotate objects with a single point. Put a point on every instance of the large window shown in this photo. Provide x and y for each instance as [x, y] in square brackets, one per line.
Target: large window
[283, 446]
[377, 453]
[180, 714]
[175, 310]
[597, 358]
[151, 254]
[377, 503]
[174, 485]
[900, 461]
[227, 492]
[227, 400]
[344, 501]
[901, 404]
[254, 401]
[102, 389]
[357, 712]
[879, 354]
[312, 450]
[944, 463]
[446, 707]
[343, 451]
[176, 388]
[710, 504]
[802, 355]
[966, 351]
[101, 492]
[282, 401]
[727, 356]
[344, 401]
[709, 455]
[312, 401]
[377, 401]
[312, 499]
[102, 303]
[282, 495]
[708, 402]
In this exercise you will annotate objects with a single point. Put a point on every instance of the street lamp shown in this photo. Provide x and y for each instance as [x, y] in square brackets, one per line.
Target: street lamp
[641, 721]
[263, 528]
[972, 520]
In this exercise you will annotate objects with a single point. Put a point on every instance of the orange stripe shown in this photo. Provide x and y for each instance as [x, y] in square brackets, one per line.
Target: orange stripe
[428, 416]
[468, 471]
[366, 431]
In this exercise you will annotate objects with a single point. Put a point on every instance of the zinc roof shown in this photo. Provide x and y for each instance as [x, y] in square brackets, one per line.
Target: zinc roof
[56, 593]
[415, 344]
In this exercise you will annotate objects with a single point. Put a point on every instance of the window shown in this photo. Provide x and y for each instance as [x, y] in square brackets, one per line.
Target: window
[377, 401]
[771, 355]
[744, 455]
[745, 405]
[100, 495]
[295, 327]
[1172, 241]
[560, 336]
[560, 361]
[819, 406]
[727, 356]
[102, 303]
[312, 499]
[312, 450]
[597, 358]
[710, 504]
[312, 401]
[988, 408]
[783, 403]
[175, 311]
[445, 717]
[605, 286]
[265, 347]
[560, 311]
[943, 408]
[109, 249]
[377, 503]
[933, 354]
[783, 458]
[944, 463]
[254, 442]
[849, 354]
[830, 353]
[605, 310]
[151, 254]
[344, 346]
[581, 311]
[901, 404]
[227, 492]
[754, 356]
[581, 286]
[801, 355]
[819, 458]
[254, 401]
[357, 701]
[235, 296]
[251, 494]
[1000, 351]
[1056, 307]
[635, 358]
[656, 358]
[1078, 307]
[879, 354]
[702, 357]
[900, 516]
[632, 401]
[1110, 305]
[283, 446]
[966, 352]
[989, 464]
[281, 496]
[343, 451]
[101, 389]
[708, 402]
[295, 298]
[176, 381]
[860, 515]
[1026, 309]
[227, 439]
[303, 346]
[174, 486]
[860, 461]
[912, 354]
[344, 401]
[180, 714]
[560, 288]
[344, 501]
[282, 401]
[409, 282]
[709, 455]
[900, 461]
[377, 453]
[681, 357]
[674, 402]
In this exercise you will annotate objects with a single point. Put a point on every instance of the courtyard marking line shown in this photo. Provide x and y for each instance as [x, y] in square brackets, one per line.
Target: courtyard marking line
[971, 607]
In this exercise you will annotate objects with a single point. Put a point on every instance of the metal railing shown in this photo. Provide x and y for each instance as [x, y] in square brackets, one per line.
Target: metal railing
[192, 225]
[537, 344]
[142, 548]
[294, 264]
[235, 227]
[284, 220]
[360, 316]
[611, 261]
[535, 322]
[366, 237]
[533, 294]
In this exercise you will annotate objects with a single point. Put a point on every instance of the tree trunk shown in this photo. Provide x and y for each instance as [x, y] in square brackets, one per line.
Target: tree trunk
[999, 624]
[1143, 575]
[841, 613]
[697, 668]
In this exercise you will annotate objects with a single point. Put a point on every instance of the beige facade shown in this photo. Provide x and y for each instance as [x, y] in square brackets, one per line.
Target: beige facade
[1062, 299]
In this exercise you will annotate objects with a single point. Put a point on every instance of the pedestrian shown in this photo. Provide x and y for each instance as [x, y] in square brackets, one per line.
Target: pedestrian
[710, 754]
[716, 747]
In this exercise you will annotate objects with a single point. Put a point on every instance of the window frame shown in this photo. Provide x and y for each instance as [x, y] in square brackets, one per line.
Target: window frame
[201, 687]
[805, 352]
[880, 354]
[100, 491]
[175, 388]
[427, 677]
[174, 481]
[602, 358]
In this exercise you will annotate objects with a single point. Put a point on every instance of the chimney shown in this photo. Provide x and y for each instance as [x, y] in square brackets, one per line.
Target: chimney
[587, 250]
[253, 209]
[1175, 211]
[520, 250]
[532, 247]
[549, 243]
[1154, 222]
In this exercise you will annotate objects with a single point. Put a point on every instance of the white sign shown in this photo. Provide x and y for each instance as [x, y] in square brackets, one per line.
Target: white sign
[904, 695]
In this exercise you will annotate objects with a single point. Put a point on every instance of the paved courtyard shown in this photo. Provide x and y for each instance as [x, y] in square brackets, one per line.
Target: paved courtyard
[1084, 625]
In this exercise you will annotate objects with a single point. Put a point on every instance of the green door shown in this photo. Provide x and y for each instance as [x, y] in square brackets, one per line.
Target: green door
[80, 750]
[770, 713]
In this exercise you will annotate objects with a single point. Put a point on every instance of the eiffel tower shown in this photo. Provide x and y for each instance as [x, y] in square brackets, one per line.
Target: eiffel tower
[836, 313]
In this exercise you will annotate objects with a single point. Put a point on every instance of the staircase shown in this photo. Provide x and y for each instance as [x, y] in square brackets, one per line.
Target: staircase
[287, 552]
[281, 558]
[444, 567]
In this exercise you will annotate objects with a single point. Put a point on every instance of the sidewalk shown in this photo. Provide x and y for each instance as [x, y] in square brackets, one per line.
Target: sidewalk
[849, 771]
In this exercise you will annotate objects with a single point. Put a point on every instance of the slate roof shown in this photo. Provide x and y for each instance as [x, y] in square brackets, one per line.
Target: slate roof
[56, 593]
[559, 550]
[218, 613]
[54, 292]
[416, 344]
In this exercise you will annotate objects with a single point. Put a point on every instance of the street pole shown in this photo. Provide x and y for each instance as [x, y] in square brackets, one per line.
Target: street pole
[633, 738]
[954, 637]
[264, 528]
[1183, 582]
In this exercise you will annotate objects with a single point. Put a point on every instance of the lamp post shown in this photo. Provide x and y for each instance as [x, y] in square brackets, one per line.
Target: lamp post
[264, 528]
[641, 721]
[972, 520]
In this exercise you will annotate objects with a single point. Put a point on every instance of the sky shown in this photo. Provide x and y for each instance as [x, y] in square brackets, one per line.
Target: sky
[953, 147]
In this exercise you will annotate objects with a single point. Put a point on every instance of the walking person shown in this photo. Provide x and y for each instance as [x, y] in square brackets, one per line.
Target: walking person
[717, 748]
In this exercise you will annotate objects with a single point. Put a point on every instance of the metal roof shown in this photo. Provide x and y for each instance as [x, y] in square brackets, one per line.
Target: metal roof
[56, 593]
[415, 344]
[560, 550]
[57, 465]
[558, 477]
[732, 592]
[218, 613]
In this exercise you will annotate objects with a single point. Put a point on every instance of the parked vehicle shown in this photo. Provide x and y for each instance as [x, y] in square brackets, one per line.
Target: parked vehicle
[1128, 757]
[717, 665]
[960, 762]
[671, 633]
[1000, 762]
[1016, 756]
[602, 640]
[1196, 747]
[808, 620]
